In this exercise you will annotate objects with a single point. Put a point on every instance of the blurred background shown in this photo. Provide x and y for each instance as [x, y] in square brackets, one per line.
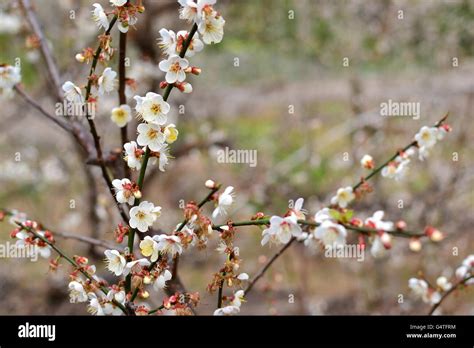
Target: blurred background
[276, 55]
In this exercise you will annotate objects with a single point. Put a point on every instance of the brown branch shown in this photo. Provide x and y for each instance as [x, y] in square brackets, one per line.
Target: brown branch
[44, 47]
[121, 93]
[267, 266]
[88, 240]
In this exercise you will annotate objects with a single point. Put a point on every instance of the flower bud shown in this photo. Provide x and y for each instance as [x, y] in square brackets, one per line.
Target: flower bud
[367, 162]
[210, 184]
[80, 58]
[415, 244]
[386, 240]
[434, 234]
[144, 294]
[137, 194]
[147, 280]
[163, 84]
[401, 225]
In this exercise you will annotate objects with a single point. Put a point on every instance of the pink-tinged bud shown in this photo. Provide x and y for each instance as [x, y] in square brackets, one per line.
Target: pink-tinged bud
[258, 216]
[415, 245]
[362, 242]
[386, 240]
[401, 225]
[434, 234]
[187, 87]
[80, 58]
[163, 84]
[210, 184]
[356, 222]
[196, 70]
[14, 232]
[447, 127]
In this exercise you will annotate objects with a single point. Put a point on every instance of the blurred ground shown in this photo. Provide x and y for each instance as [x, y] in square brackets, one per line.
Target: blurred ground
[281, 62]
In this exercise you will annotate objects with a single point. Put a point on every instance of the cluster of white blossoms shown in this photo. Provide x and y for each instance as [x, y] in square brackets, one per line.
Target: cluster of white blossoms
[9, 77]
[234, 306]
[465, 271]
[125, 12]
[210, 23]
[433, 295]
[427, 137]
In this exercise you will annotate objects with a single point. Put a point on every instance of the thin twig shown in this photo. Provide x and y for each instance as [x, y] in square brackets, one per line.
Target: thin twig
[88, 240]
[447, 293]
[267, 266]
[72, 262]
[44, 47]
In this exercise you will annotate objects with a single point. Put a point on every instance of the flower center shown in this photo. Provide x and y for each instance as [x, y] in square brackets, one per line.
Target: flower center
[155, 108]
[152, 133]
[175, 67]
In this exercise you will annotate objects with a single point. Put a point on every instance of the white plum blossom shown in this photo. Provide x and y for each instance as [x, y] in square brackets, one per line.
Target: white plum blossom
[465, 270]
[192, 11]
[212, 28]
[281, 230]
[427, 136]
[396, 169]
[163, 158]
[99, 16]
[150, 135]
[121, 115]
[419, 287]
[331, 234]
[95, 307]
[343, 197]
[149, 248]
[133, 155]
[152, 108]
[118, 2]
[238, 298]
[11, 24]
[227, 310]
[135, 266]
[225, 200]
[195, 45]
[443, 283]
[421, 290]
[124, 191]
[297, 210]
[9, 77]
[323, 215]
[378, 249]
[107, 81]
[170, 133]
[160, 282]
[376, 222]
[72, 93]
[168, 41]
[243, 277]
[124, 25]
[144, 215]
[174, 67]
[115, 261]
[170, 245]
[77, 292]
